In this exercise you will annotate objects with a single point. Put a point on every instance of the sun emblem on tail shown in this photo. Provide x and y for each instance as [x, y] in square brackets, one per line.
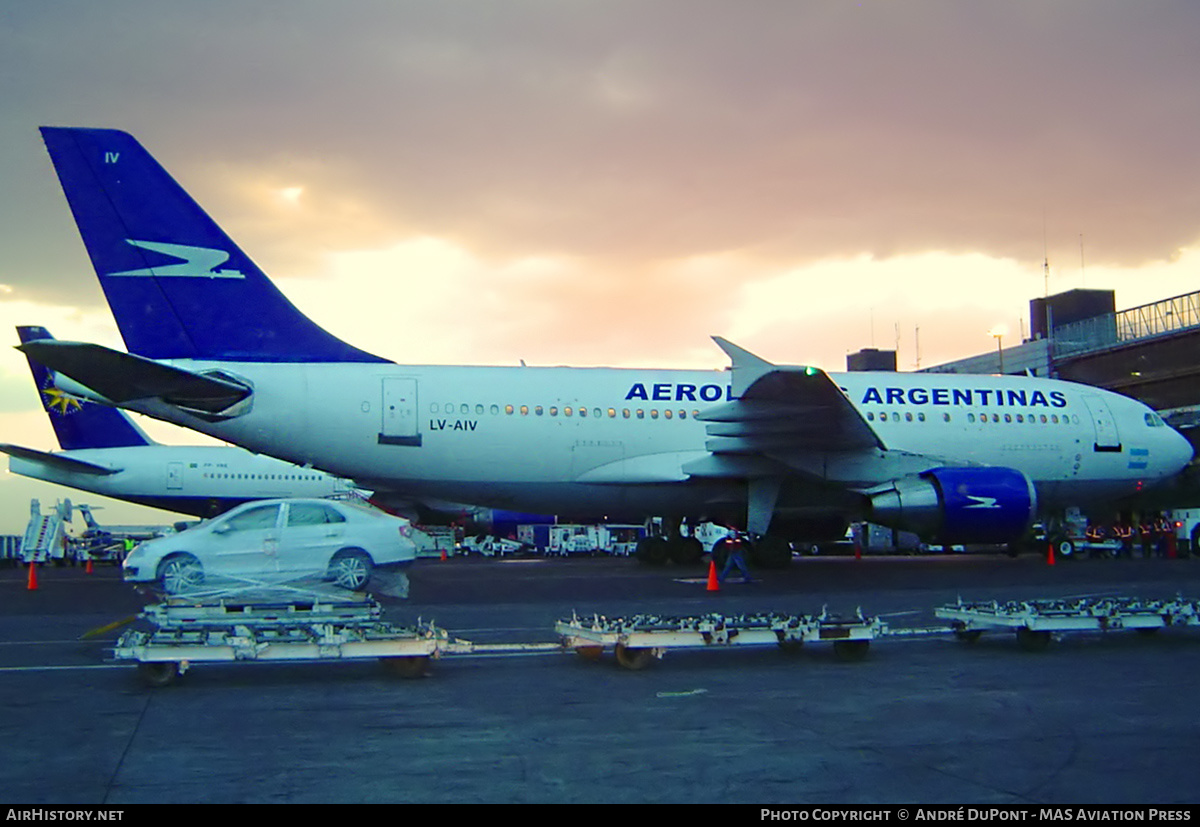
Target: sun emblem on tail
[57, 400]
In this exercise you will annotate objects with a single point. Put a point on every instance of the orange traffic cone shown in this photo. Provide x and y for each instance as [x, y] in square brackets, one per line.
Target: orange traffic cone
[1050, 554]
[714, 585]
[31, 585]
[443, 555]
[88, 568]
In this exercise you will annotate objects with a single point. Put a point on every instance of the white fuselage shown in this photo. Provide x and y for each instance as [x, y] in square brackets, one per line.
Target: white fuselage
[614, 441]
[201, 480]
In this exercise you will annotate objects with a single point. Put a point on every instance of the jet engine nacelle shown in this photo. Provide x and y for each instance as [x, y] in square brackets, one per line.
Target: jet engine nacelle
[958, 505]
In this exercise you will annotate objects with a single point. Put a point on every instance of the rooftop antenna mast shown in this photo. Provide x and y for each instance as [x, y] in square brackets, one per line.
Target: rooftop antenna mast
[1045, 257]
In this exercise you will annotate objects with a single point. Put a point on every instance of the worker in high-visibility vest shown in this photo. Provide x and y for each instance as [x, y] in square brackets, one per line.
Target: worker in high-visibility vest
[736, 557]
[1125, 535]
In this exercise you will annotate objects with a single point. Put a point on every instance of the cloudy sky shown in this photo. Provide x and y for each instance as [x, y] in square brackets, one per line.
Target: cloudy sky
[610, 183]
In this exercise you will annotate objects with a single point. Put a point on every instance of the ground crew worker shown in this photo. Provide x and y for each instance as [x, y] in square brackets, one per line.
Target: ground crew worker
[1164, 530]
[733, 543]
[1125, 533]
[1146, 530]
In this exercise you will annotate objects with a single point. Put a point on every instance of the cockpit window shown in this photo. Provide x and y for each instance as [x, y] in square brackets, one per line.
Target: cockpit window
[1154, 420]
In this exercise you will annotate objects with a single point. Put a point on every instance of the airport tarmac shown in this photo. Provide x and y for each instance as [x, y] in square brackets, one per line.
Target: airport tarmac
[1105, 719]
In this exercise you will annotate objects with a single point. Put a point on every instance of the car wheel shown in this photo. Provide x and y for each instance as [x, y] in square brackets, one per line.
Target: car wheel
[351, 569]
[180, 573]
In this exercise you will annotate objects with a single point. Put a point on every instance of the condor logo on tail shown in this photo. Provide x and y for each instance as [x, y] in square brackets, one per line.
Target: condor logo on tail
[198, 262]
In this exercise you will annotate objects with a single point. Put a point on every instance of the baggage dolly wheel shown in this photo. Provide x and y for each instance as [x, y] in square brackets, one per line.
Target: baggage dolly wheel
[967, 635]
[791, 646]
[158, 673]
[633, 657]
[589, 653]
[408, 667]
[851, 650]
[1032, 640]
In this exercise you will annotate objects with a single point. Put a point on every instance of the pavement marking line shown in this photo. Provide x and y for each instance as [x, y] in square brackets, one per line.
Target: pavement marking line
[685, 694]
[108, 627]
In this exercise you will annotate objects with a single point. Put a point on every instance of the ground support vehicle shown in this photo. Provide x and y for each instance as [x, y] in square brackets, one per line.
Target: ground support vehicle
[46, 536]
[1034, 621]
[1186, 522]
[639, 640]
[226, 631]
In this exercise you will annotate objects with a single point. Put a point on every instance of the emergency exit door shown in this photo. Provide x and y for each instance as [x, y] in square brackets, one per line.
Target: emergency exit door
[399, 425]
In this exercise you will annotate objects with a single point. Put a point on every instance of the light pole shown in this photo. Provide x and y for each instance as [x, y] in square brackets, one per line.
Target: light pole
[998, 332]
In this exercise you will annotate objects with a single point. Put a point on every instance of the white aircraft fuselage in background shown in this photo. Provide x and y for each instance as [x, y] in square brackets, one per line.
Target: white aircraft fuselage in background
[202, 480]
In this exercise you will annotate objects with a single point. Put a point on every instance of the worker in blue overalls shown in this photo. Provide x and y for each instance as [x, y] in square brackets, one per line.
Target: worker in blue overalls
[736, 557]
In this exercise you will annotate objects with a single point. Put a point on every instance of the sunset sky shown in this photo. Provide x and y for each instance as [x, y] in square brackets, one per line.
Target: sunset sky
[610, 183]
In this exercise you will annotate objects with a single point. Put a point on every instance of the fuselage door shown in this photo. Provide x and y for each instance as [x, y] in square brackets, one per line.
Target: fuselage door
[174, 476]
[1107, 438]
[399, 426]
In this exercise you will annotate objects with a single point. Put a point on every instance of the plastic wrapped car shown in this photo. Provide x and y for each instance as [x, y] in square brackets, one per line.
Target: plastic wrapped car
[271, 541]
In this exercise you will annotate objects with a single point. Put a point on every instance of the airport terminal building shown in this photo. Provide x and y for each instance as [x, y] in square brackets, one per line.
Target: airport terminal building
[1151, 352]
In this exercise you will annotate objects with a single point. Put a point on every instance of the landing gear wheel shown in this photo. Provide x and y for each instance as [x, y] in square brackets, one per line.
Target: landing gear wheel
[653, 551]
[633, 657]
[589, 653]
[791, 646]
[351, 570]
[771, 552]
[409, 667]
[686, 551]
[158, 673]
[1031, 640]
[851, 650]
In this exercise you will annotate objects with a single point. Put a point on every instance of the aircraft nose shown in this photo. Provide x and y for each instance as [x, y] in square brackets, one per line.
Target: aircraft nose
[1181, 450]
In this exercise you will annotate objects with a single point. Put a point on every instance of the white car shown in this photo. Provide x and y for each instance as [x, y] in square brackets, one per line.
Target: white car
[275, 540]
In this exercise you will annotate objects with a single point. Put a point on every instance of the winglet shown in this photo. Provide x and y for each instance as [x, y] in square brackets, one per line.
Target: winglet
[747, 368]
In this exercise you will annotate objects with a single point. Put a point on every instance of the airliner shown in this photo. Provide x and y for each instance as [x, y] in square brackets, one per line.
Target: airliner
[781, 451]
[106, 453]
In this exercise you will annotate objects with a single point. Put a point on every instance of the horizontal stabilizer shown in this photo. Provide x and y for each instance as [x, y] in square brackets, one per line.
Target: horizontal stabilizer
[123, 377]
[59, 462]
[77, 422]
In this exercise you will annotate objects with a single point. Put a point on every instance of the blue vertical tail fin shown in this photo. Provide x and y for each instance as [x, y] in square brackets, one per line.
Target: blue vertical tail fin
[177, 284]
[78, 423]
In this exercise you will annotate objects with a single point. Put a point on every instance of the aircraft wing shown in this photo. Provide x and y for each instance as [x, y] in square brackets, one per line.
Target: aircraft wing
[123, 377]
[778, 411]
[784, 408]
[59, 462]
